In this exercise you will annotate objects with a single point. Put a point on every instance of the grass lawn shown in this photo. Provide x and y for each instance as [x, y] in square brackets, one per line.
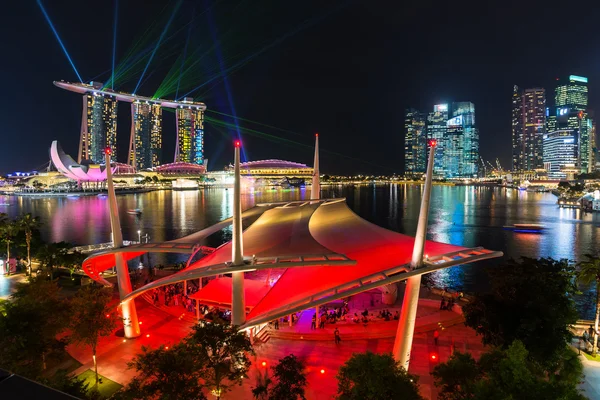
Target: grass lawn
[589, 356]
[107, 388]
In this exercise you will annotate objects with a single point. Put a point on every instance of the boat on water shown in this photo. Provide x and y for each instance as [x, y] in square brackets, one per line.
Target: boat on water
[134, 211]
[526, 228]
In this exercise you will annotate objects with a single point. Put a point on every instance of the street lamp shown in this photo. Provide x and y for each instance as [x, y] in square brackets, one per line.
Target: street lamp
[139, 237]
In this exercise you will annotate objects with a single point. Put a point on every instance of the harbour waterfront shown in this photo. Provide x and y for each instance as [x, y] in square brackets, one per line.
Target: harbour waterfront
[460, 215]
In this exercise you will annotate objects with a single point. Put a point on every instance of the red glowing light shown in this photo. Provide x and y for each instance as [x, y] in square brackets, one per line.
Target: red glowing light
[148, 335]
[322, 371]
[237, 143]
[107, 315]
[140, 322]
[264, 364]
[167, 348]
[432, 143]
[108, 151]
[433, 357]
[316, 135]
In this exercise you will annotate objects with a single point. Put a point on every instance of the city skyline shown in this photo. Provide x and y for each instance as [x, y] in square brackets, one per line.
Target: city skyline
[296, 84]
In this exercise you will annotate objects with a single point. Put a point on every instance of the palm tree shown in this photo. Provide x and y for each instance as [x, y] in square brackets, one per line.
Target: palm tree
[29, 224]
[589, 273]
[53, 255]
[8, 231]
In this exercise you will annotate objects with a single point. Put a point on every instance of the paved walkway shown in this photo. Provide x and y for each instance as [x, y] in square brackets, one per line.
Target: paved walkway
[590, 387]
[8, 284]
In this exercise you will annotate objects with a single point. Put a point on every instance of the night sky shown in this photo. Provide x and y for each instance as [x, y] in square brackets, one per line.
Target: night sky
[345, 69]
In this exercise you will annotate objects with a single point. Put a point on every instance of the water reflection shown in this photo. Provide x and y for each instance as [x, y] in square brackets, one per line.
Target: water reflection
[460, 215]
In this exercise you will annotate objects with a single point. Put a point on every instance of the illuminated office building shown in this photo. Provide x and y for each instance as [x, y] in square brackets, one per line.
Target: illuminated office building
[560, 153]
[461, 144]
[436, 130]
[572, 92]
[190, 133]
[528, 128]
[415, 142]
[146, 135]
[98, 126]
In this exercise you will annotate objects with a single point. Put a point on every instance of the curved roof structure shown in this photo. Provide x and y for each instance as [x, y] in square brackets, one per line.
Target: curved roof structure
[328, 252]
[275, 164]
[180, 168]
[98, 88]
[73, 170]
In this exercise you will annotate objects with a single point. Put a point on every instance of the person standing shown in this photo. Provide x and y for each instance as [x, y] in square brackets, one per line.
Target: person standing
[436, 336]
[336, 336]
[323, 320]
[313, 324]
[277, 324]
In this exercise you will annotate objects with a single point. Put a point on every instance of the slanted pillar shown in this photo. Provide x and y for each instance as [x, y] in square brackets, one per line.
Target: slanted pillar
[406, 325]
[197, 310]
[238, 303]
[315, 191]
[128, 311]
[290, 322]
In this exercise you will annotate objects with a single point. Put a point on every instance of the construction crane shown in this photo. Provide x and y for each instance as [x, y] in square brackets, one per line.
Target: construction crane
[498, 164]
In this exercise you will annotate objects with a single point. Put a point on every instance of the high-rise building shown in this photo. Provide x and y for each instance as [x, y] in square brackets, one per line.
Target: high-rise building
[560, 153]
[528, 128]
[571, 113]
[190, 133]
[146, 138]
[98, 126]
[415, 142]
[572, 92]
[461, 143]
[436, 130]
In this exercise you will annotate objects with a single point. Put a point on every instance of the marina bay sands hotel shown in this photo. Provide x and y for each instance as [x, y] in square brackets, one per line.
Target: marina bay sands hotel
[99, 126]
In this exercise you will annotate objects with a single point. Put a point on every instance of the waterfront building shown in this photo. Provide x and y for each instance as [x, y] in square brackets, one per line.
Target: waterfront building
[436, 130]
[415, 142]
[146, 135]
[98, 125]
[461, 142]
[560, 153]
[190, 133]
[572, 92]
[528, 128]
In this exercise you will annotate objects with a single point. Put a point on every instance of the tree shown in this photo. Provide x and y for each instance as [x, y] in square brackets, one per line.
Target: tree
[205, 359]
[589, 272]
[29, 326]
[375, 376]
[224, 352]
[92, 317]
[290, 381]
[8, 230]
[53, 255]
[530, 301]
[501, 374]
[28, 224]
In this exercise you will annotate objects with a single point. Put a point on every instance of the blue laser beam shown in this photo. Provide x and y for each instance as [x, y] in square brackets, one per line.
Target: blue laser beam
[39, 2]
[162, 35]
[116, 19]
[187, 40]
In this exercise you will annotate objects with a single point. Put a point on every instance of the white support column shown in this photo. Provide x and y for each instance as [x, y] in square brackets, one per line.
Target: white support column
[129, 313]
[315, 191]
[406, 325]
[238, 303]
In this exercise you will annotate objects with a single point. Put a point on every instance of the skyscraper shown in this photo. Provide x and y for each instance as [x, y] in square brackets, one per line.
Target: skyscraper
[436, 130]
[461, 143]
[98, 126]
[528, 128]
[146, 139]
[415, 142]
[572, 92]
[571, 113]
[560, 153]
[190, 133]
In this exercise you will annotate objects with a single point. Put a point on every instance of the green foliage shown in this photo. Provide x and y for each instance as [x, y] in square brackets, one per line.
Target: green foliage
[589, 272]
[52, 255]
[92, 317]
[501, 374]
[29, 326]
[375, 376]
[63, 382]
[290, 381]
[210, 357]
[530, 301]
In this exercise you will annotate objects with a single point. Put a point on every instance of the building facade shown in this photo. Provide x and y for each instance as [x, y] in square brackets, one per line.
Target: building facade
[572, 92]
[98, 127]
[461, 144]
[145, 146]
[436, 130]
[415, 142]
[528, 128]
[190, 134]
[560, 153]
